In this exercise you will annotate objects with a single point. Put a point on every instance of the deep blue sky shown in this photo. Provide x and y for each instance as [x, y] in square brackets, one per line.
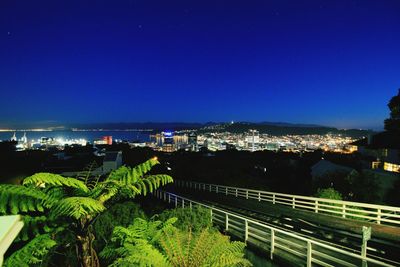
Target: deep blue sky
[313, 61]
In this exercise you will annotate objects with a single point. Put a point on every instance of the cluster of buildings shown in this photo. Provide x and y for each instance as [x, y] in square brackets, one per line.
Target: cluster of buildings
[172, 141]
[254, 141]
[169, 141]
[23, 143]
[249, 141]
[383, 150]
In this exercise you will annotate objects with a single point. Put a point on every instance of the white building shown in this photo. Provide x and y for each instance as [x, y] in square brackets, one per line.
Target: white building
[112, 161]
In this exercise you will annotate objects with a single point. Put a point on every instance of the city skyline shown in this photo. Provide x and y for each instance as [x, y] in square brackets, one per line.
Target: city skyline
[315, 62]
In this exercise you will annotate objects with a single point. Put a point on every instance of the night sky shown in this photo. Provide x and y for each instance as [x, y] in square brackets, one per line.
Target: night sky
[333, 63]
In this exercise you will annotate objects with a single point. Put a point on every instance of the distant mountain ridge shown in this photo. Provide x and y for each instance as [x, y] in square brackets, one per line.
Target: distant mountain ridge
[282, 128]
[273, 128]
[288, 124]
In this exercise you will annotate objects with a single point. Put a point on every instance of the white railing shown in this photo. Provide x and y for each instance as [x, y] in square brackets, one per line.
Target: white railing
[276, 241]
[379, 214]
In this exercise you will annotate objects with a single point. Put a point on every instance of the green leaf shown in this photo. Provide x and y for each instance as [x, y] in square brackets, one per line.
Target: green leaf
[31, 253]
[18, 199]
[43, 179]
[77, 207]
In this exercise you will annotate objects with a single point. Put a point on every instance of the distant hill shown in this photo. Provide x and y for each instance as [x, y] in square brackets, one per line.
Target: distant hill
[289, 124]
[157, 126]
[272, 128]
[281, 128]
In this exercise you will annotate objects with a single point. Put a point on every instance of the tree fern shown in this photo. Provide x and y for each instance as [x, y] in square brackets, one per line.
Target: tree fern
[156, 243]
[77, 207]
[70, 201]
[207, 248]
[43, 179]
[32, 253]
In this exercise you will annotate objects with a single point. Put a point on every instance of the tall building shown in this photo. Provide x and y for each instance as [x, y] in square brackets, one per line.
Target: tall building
[180, 141]
[253, 140]
[14, 137]
[168, 142]
[192, 141]
[24, 139]
[105, 140]
[108, 140]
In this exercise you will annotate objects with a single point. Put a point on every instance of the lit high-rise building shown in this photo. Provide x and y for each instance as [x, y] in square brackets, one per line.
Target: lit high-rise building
[14, 137]
[192, 141]
[168, 142]
[253, 140]
[24, 139]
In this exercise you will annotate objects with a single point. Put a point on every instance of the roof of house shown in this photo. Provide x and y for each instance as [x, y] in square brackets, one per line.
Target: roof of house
[111, 156]
[381, 140]
[323, 167]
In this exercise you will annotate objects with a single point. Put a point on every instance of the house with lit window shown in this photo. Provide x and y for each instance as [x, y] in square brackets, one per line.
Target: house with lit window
[384, 148]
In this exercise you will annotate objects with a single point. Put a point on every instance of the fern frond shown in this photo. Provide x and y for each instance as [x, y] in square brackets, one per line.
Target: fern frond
[110, 188]
[31, 253]
[157, 180]
[207, 248]
[33, 226]
[86, 175]
[16, 199]
[142, 254]
[129, 176]
[118, 174]
[107, 193]
[43, 179]
[141, 169]
[77, 207]
[54, 193]
[134, 245]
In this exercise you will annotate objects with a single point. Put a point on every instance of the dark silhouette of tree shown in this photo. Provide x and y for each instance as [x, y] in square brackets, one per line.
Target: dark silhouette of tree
[393, 123]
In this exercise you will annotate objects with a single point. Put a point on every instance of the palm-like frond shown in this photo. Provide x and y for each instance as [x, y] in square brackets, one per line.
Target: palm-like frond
[153, 182]
[77, 207]
[43, 178]
[141, 254]
[131, 175]
[33, 226]
[207, 248]
[127, 183]
[86, 175]
[134, 245]
[31, 253]
[156, 243]
[20, 199]
[55, 192]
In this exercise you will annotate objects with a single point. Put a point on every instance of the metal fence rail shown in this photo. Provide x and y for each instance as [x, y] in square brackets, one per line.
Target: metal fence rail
[277, 242]
[379, 214]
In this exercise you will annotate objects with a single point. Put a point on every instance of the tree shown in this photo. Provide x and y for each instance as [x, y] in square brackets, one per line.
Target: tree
[329, 193]
[157, 243]
[393, 123]
[61, 207]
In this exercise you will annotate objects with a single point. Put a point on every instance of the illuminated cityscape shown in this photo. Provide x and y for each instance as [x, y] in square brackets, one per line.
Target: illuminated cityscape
[213, 141]
[200, 133]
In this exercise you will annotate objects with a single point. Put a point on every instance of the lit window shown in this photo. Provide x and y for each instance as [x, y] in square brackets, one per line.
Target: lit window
[375, 165]
[390, 167]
